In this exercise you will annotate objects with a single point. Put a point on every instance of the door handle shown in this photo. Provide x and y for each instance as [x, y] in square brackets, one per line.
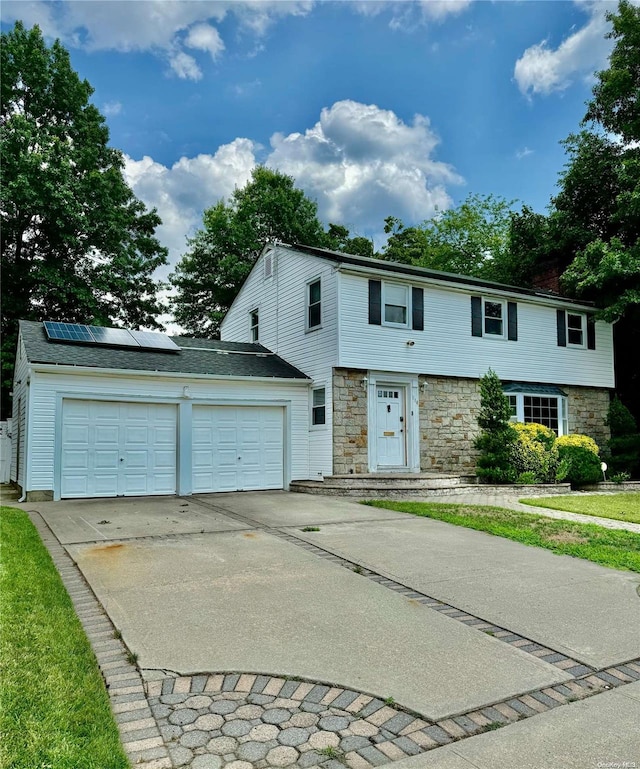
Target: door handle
[122, 459]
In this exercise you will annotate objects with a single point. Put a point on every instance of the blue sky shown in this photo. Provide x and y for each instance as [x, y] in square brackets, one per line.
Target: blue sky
[376, 108]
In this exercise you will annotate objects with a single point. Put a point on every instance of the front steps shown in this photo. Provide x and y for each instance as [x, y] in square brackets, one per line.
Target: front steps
[408, 485]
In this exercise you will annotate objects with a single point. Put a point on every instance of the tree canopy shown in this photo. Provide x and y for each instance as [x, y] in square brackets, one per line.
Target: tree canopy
[77, 245]
[470, 239]
[221, 254]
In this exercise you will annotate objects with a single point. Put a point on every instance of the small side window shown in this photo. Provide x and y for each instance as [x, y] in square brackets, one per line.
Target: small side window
[318, 414]
[314, 304]
[575, 330]
[254, 326]
[493, 318]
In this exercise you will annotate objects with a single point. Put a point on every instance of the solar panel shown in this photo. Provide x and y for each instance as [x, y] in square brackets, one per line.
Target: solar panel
[154, 341]
[68, 332]
[79, 333]
[117, 337]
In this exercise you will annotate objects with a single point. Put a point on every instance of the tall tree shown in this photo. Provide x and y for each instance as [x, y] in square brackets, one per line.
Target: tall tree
[470, 239]
[596, 215]
[222, 253]
[77, 245]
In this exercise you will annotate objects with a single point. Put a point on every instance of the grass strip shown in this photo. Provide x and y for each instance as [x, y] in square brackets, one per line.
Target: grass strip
[608, 547]
[54, 708]
[621, 506]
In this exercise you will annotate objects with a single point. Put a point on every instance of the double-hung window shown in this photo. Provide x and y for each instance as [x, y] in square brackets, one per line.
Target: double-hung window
[493, 318]
[254, 330]
[314, 304]
[575, 329]
[318, 413]
[396, 304]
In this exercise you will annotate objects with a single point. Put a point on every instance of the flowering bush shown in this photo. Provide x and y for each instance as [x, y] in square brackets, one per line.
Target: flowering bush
[577, 440]
[581, 456]
[535, 455]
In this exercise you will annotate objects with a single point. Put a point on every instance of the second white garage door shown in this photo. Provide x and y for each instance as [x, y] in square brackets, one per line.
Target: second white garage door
[237, 448]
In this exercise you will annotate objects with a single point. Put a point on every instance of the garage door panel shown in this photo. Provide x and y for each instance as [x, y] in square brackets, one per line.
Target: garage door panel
[118, 449]
[104, 460]
[246, 448]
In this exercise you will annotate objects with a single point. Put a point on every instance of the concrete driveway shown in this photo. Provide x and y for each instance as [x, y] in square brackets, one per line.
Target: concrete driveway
[442, 620]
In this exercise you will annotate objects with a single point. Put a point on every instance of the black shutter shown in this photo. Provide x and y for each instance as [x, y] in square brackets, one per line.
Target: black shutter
[561, 318]
[417, 308]
[375, 302]
[476, 315]
[591, 332]
[512, 321]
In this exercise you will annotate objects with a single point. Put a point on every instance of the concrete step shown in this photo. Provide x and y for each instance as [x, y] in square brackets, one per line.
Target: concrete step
[362, 490]
[399, 480]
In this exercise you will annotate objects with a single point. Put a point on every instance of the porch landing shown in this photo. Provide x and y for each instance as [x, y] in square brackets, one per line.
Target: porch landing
[402, 485]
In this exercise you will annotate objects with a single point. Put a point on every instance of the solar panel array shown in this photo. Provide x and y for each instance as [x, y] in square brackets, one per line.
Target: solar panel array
[79, 333]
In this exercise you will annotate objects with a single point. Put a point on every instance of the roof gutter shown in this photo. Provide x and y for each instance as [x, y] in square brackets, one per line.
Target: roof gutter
[118, 372]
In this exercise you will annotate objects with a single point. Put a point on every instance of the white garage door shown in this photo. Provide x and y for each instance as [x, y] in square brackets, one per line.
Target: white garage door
[237, 448]
[117, 449]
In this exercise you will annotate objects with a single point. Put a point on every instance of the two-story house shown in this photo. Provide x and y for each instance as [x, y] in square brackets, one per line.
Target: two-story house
[395, 353]
[328, 364]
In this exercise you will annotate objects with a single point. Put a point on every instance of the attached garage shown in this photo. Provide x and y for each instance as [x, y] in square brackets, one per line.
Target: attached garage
[103, 421]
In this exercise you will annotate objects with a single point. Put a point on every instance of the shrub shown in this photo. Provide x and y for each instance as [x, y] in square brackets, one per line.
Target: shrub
[581, 455]
[624, 444]
[527, 477]
[576, 440]
[498, 435]
[535, 453]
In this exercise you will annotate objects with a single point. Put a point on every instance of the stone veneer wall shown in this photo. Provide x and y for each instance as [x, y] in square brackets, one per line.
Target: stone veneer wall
[350, 422]
[449, 408]
[588, 408]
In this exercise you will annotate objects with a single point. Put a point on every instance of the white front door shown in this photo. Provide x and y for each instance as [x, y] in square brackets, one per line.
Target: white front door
[391, 427]
[237, 448]
[117, 449]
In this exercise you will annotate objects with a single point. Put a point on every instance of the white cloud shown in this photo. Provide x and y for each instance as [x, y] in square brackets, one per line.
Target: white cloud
[523, 153]
[542, 69]
[406, 15]
[184, 66]
[362, 163]
[183, 191]
[112, 108]
[163, 27]
[205, 38]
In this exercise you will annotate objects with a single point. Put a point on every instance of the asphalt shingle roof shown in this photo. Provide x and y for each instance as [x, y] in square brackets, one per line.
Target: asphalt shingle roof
[196, 356]
[422, 272]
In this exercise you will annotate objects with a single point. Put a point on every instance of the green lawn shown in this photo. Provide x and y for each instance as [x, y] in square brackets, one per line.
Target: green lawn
[54, 709]
[608, 547]
[622, 507]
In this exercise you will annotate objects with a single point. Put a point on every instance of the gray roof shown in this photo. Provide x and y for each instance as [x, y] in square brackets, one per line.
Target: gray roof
[196, 356]
[422, 272]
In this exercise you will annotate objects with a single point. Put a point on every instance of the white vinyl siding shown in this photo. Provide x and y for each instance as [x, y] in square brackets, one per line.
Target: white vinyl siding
[50, 388]
[283, 330]
[19, 419]
[447, 348]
